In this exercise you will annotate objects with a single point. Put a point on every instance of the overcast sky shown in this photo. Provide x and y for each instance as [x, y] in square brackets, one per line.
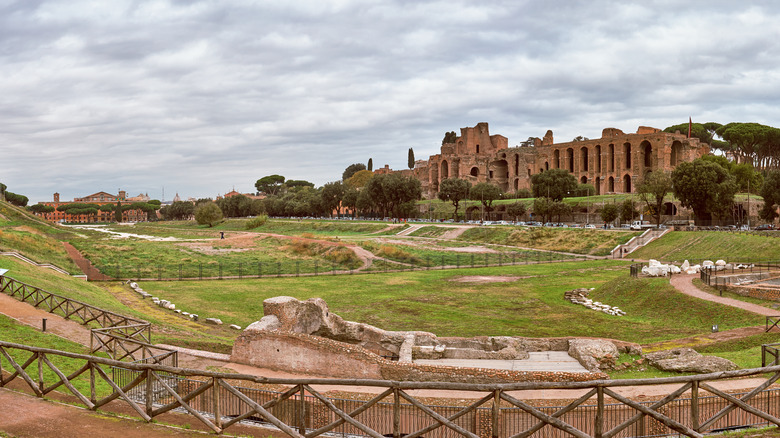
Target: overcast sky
[199, 97]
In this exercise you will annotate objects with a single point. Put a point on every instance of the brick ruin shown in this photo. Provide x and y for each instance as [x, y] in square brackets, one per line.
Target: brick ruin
[614, 163]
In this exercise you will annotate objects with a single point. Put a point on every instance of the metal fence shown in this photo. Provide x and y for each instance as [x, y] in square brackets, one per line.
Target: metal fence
[720, 278]
[241, 270]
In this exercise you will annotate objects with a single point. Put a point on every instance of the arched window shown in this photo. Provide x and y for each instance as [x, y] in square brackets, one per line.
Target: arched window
[445, 170]
[598, 158]
[557, 159]
[474, 171]
[611, 158]
[611, 185]
[627, 183]
[627, 153]
[584, 159]
[647, 151]
[570, 159]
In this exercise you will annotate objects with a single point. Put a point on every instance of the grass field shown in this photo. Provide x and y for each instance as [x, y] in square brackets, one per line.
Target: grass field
[34, 238]
[573, 240]
[696, 246]
[167, 327]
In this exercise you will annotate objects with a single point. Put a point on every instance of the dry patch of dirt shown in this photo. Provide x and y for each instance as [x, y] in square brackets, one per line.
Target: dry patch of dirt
[27, 229]
[234, 243]
[484, 279]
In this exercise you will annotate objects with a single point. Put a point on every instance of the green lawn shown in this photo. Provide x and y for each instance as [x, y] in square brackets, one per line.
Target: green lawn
[696, 246]
[433, 301]
[34, 238]
[572, 240]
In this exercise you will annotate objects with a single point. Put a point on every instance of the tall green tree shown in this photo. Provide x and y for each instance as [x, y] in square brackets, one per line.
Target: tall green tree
[270, 184]
[486, 194]
[653, 189]
[410, 159]
[554, 183]
[118, 211]
[609, 212]
[627, 211]
[454, 190]
[208, 213]
[389, 192]
[351, 170]
[516, 210]
[332, 195]
[770, 191]
[370, 165]
[705, 187]
[753, 143]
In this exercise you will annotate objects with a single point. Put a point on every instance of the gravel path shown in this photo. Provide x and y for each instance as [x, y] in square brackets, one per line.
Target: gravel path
[684, 283]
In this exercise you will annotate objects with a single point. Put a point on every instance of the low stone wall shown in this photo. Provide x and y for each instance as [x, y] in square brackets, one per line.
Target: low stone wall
[314, 355]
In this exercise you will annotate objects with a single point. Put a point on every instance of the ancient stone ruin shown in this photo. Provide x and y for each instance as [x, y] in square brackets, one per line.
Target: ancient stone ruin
[304, 336]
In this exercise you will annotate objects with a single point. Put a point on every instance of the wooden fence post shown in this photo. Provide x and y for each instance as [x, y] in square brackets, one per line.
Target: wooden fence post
[695, 405]
[215, 398]
[396, 413]
[599, 426]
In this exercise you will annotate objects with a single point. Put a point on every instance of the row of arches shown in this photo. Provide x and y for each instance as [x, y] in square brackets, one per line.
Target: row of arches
[565, 158]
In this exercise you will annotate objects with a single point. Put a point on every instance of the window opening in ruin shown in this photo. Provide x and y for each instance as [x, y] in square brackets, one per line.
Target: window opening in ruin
[584, 159]
[598, 185]
[627, 183]
[676, 150]
[598, 158]
[546, 165]
[529, 172]
[611, 187]
[612, 158]
[557, 159]
[474, 171]
[445, 171]
[477, 148]
[490, 174]
[648, 151]
[570, 159]
[584, 180]
[627, 153]
[517, 184]
[517, 164]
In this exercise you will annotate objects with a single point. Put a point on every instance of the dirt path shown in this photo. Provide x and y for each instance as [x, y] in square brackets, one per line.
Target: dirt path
[85, 265]
[684, 283]
[32, 316]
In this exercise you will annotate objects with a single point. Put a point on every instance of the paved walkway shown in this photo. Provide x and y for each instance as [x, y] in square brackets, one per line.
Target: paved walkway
[684, 283]
[558, 361]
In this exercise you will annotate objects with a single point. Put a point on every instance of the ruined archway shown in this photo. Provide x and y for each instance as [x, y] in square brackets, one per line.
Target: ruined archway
[611, 185]
[627, 183]
[570, 159]
[647, 154]
[445, 170]
[611, 158]
[583, 159]
[557, 159]
[499, 173]
[627, 154]
[598, 158]
[670, 209]
[474, 171]
[598, 185]
[584, 180]
[676, 153]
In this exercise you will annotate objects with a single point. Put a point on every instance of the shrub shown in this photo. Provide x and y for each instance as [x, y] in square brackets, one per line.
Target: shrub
[257, 222]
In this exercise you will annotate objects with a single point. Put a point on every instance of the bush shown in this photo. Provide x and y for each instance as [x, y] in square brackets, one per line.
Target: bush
[257, 222]
[18, 200]
[523, 194]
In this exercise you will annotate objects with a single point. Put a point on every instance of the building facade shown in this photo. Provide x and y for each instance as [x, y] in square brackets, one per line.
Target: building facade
[614, 163]
[98, 199]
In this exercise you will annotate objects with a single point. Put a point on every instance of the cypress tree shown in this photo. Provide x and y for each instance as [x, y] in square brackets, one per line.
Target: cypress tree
[118, 211]
[411, 159]
[371, 164]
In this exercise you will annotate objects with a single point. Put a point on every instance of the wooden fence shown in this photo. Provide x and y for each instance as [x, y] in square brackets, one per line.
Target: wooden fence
[217, 401]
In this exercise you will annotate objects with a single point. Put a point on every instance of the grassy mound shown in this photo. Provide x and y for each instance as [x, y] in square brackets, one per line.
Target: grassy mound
[579, 241]
[34, 238]
[710, 245]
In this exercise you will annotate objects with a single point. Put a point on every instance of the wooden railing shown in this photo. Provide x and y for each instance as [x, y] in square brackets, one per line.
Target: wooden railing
[115, 342]
[74, 310]
[491, 409]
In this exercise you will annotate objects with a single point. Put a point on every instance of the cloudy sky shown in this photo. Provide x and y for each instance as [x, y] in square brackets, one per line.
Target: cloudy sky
[198, 97]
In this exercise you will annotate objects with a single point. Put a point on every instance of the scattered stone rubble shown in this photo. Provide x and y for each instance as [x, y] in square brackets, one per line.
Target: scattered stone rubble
[688, 360]
[580, 296]
[165, 304]
[658, 269]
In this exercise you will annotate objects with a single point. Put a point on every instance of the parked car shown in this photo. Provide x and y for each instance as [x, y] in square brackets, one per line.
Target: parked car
[590, 226]
[764, 227]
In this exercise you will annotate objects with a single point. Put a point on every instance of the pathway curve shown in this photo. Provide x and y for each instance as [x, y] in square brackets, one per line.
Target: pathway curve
[684, 284]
